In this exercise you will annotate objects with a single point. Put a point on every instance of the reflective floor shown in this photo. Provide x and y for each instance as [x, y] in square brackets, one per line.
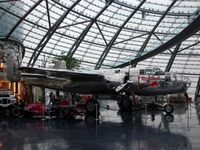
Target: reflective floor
[114, 130]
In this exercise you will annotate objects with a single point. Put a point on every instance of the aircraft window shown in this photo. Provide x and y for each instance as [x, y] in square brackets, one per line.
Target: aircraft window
[117, 71]
[174, 77]
[149, 72]
[142, 72]
[157, 71]
[154, 71]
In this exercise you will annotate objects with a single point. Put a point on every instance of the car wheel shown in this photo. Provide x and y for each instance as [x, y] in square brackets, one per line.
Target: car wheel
[17, 112]
[92, 106]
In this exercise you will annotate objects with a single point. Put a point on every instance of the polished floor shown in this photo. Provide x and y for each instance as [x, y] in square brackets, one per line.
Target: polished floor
[113, 130]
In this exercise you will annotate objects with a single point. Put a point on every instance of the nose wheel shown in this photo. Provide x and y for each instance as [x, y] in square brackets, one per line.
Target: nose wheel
[168, 108]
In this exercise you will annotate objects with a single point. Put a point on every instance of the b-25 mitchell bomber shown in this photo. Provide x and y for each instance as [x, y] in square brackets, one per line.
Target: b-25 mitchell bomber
[143, 82]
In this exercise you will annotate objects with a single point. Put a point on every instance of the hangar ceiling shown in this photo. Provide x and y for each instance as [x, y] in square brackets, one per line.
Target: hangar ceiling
[106, 33]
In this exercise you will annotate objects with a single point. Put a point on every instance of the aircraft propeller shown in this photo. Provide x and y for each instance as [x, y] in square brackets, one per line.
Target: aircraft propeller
[124, 87]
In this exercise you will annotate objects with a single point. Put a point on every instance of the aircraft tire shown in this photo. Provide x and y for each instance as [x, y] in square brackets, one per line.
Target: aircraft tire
[17, 112]
[168, 108]
[92, 107]
[169, 118]
[125, 104]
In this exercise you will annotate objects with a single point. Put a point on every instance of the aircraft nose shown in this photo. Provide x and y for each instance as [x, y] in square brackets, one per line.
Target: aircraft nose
[179, 78]
[168, 76]
[186, 81]
[171, 77]
[182, 79]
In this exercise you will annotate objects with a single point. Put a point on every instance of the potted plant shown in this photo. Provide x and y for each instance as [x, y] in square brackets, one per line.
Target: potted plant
[63, 61]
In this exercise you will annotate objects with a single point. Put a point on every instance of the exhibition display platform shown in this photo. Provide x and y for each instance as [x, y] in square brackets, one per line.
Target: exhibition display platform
[113, 129]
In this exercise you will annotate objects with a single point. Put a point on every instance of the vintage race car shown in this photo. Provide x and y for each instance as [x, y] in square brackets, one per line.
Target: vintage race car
[61, 109]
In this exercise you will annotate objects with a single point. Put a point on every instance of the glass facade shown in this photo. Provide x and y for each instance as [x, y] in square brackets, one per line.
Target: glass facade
[104, 33]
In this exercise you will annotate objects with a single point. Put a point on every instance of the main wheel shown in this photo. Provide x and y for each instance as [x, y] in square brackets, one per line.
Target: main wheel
[92, 107]
[125, 104]
[169, 118]
[168, 108]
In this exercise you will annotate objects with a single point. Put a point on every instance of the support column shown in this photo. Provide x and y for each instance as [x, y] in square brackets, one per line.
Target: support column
[197, 92]
[43, 95]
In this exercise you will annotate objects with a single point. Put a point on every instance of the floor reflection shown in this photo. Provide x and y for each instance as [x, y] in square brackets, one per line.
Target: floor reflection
[137, 130]
[197, 106]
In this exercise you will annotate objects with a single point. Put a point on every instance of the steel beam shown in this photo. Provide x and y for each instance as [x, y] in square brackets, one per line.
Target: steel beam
[152, 31]
[173, 56]
[129, 39]
[101, 33]
[48, 36]
[186, 73]
[196, 43]
[22, 18]
[108, 47]
[48, 14]
[4, 1]
[197, 92]
[153, 11]
[82, 22]
[85, 31]
[191, 29]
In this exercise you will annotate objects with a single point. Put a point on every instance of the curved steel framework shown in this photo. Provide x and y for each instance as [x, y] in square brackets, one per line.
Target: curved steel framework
[106, 33]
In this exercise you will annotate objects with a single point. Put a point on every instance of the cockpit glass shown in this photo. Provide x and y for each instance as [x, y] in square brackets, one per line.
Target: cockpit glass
[153, 71]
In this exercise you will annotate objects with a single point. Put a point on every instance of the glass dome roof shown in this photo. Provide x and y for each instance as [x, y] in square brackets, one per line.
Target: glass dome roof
[106, 33]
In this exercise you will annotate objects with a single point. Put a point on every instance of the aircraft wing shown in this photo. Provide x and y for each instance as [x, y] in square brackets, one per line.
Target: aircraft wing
[67, 80]
[73, 76]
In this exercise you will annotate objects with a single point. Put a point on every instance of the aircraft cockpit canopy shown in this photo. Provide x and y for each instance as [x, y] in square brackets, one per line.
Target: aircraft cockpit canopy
[151, 71]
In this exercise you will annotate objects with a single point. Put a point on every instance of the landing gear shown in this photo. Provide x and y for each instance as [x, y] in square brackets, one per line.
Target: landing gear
[168, 108]
[169, 118]
[125, 103]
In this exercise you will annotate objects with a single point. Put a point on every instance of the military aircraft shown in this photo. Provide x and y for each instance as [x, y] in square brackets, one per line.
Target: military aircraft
[131, 81]
[144, 82]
